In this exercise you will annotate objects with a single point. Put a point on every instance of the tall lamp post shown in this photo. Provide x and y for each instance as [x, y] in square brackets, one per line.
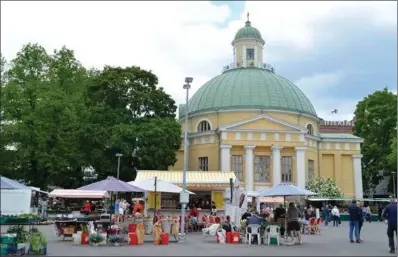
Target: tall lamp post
[184, 196]
[118, 155]
[393, 183]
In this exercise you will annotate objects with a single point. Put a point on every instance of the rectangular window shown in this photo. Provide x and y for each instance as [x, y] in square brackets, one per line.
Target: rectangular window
[203, 164]
[310, 174]
[262, 168]
[249, 54]
[286, 169]
[237, 166]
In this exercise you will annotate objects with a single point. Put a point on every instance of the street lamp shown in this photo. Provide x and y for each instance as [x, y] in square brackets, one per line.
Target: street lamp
[184, 196]
[393, 183]
[118, 155]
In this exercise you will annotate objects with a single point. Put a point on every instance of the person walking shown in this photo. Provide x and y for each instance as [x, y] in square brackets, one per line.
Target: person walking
[325, 212]
[390, 214]
[335, 216]
[368, 214]
[355, 213]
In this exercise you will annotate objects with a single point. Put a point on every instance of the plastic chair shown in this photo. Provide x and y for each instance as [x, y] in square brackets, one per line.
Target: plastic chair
[254, 231]
[318, 223]
[211, 219]
[311, 227]
[273, 232]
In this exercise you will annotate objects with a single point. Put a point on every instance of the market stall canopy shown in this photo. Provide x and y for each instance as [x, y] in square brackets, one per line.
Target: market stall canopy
[38, 190]
[112, 184]
[161, 186]
[253, 193]
[195, 179]
[80, 194]
[286, 190]
[7, 183]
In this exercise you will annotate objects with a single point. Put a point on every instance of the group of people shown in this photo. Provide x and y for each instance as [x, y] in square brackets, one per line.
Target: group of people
[358, 215]
[292, 216]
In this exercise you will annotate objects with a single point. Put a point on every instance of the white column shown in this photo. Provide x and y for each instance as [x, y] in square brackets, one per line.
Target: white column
[249, 172]
[300, 167]
[225, 157]
[255, 56]
[356, 159]
[244, 57]
[276, 165]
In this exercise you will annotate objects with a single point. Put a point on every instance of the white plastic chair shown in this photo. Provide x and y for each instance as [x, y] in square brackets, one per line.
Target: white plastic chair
[273, 232]
[254, 231]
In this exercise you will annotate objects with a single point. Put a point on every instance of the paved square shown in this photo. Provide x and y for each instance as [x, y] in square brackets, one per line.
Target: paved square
[332, 241]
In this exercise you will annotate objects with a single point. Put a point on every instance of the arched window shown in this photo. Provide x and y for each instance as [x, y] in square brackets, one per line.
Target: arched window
[204, 125]
[310, 129]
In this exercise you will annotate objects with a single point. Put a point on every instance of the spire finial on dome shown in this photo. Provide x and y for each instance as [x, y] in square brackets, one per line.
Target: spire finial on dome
[248, 23]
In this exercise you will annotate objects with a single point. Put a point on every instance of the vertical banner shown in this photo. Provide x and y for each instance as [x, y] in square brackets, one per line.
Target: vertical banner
[242, 200]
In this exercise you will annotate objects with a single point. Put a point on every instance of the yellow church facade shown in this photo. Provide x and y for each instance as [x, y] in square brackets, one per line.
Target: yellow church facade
[255, 124]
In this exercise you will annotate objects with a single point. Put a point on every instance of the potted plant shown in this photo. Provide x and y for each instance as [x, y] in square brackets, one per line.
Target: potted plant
[115, 240]
[85, 234]
[38, 242]
[95, 239]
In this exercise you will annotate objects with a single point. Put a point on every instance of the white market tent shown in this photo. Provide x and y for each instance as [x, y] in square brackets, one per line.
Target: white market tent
[75, 193]
[161, 186]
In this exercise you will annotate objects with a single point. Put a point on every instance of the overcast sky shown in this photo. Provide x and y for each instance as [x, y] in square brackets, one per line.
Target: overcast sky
[336, 52]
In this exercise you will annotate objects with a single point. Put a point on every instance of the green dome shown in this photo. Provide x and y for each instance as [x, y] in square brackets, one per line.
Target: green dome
[249, 88]
[248, 32]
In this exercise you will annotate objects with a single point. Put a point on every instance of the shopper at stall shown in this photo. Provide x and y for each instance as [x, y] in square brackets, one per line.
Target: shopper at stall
[279, 212]
[87, 208]
[213, 208]
[137, 206]
[293, 225]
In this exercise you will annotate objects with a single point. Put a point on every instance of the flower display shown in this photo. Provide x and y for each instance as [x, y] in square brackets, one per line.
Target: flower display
[325, 188]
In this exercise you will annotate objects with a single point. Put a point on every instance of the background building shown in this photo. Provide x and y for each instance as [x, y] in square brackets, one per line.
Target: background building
[261, 126]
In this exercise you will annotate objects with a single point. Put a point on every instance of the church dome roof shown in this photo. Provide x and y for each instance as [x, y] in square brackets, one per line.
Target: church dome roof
[249, 88]
[248, 32]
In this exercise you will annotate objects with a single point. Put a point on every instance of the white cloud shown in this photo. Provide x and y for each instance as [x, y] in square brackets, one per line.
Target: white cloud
[315, 86]
[173, 39]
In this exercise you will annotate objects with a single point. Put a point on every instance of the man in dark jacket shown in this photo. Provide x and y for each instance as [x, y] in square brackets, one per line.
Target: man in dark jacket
[355, 213]
[390, 213]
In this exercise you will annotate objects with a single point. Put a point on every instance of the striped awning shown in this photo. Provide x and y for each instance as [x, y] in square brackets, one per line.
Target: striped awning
[195, 179]
[80, 194]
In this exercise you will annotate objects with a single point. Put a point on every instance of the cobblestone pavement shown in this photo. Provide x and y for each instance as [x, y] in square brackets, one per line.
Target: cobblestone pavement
[332, 241]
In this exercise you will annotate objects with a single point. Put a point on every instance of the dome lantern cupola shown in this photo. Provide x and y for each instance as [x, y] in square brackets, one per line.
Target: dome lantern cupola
[248, 46]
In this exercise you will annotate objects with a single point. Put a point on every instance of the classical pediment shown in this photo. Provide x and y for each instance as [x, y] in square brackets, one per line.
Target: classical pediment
[263, 122]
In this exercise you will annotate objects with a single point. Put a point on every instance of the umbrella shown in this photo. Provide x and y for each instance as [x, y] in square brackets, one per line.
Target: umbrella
[113, 185]
[161, 186]
[7, 183]
[286, 190]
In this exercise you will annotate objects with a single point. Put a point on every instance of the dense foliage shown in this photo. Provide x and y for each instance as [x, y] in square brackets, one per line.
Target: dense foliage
[376, 123]
[58, 119]
[324, 188]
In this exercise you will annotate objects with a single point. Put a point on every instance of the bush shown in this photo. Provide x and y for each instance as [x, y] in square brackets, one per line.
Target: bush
[325, 188]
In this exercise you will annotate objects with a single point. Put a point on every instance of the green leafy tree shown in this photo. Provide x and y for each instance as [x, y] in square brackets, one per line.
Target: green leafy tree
[129, 114]
[41, 107]
[376, 123]
[324, 188]
[61, 118]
